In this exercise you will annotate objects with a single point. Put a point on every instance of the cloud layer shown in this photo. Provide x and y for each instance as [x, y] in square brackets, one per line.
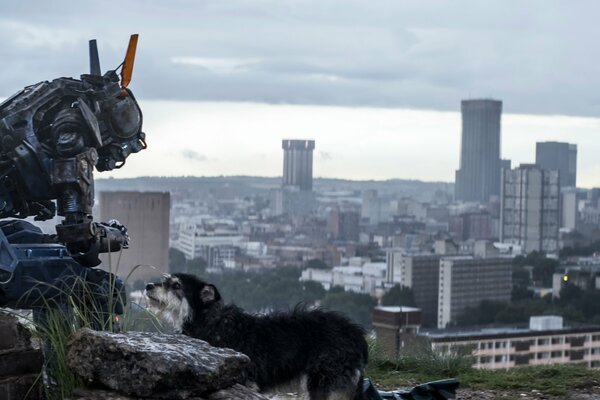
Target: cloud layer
[539, 57]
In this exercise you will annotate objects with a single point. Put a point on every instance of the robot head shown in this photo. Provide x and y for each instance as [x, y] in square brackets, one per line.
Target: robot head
[117, 129]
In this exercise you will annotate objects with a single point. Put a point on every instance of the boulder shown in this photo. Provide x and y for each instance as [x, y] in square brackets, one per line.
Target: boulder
[143, 364]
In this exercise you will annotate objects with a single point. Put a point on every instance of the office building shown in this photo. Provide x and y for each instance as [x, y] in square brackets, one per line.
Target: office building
[217, 241]
[471, 225]
[530, 208]
[547, 341]
[396, 327]
[296, 197]
[371, 210]
[343, 224]
[478, 176]
[561, 157]
[146, 216]
[569, 210]
[298, 163]
[420, 273]
[465, 281]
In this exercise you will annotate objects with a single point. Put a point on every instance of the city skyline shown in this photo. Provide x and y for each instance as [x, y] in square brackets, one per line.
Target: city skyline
[377, 84]
[212, 139]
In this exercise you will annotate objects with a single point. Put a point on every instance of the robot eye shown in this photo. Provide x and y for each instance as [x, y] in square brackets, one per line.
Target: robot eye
[125, 118]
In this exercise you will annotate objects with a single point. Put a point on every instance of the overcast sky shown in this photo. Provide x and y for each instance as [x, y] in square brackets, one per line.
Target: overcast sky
[369, 62]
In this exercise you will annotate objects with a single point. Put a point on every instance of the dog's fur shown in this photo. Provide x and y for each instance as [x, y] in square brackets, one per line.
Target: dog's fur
[322, 351]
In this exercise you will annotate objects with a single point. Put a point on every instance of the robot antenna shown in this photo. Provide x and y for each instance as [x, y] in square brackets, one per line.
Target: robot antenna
[127, 69]
[94, 59]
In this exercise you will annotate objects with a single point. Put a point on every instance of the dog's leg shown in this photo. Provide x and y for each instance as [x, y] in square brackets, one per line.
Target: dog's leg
[335, 385]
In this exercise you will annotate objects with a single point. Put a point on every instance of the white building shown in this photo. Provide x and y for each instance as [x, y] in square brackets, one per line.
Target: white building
[369, 279]
[546, 341]
[215, 240]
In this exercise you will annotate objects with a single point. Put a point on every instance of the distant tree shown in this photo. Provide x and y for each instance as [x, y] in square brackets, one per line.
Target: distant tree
[176, 261]
[196, 266]
[312, 291]
[543, 269]
[398, 296]
[357, 306]
[520, 292]
[520, 276]
[316, 263]
[483, 314]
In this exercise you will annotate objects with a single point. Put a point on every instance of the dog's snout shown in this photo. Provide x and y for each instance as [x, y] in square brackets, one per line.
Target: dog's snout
[150, 286]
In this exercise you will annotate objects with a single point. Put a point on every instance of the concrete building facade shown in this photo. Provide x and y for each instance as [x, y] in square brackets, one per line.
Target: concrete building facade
[298, 163]
[296, 197]
[465, 281]
[478, 176]
[561, 157]
[530, 208]
[545, 342]
[146, 216]
[419, 272]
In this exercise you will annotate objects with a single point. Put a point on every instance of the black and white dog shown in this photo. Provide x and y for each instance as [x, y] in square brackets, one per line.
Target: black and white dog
[321, 353]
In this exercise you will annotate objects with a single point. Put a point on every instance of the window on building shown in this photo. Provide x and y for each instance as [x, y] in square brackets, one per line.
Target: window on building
[543, 341]
[543, 355]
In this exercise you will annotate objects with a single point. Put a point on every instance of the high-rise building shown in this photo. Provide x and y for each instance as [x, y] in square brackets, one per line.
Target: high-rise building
[296, 197]
[558, 156]
[343, 224]
[465, 281]
[478, 176]
[371, 207]
[298, 163]
[471, 225]
[420, 273]
[530, 208]
[146, 216]
[569, 212]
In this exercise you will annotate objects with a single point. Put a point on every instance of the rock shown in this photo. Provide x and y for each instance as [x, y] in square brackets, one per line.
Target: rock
[143, 364]
[238, 392]
[97, 394]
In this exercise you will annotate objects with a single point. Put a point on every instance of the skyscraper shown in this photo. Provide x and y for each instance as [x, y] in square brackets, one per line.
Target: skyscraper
[558, 156]
[478, 176]
[530, 208]
[298, 163]
[295, 198]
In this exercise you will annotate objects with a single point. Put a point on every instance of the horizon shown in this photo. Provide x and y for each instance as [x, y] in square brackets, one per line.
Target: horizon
[377, 85]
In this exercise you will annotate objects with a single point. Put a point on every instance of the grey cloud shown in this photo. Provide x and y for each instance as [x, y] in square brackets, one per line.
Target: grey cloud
[193, 155]
[537, 56]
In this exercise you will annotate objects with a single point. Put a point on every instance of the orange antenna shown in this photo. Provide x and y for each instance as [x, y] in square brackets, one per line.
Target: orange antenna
[127, 69]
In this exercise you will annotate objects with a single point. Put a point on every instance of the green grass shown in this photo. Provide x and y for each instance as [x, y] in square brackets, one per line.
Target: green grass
[82, 310]
[425, 365]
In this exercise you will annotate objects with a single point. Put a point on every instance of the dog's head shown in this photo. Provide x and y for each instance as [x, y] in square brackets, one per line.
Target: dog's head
[177, 297]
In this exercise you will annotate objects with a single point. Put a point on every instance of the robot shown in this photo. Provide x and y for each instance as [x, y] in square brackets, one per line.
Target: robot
[52, 136]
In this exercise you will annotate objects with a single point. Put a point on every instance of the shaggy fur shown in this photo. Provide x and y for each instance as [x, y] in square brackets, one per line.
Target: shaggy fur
[321, 351]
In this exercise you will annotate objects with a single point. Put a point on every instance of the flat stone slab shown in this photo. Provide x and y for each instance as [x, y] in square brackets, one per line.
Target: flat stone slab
[144, 364]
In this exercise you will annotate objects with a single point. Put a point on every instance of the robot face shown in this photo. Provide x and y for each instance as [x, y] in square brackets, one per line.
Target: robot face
[125, 118]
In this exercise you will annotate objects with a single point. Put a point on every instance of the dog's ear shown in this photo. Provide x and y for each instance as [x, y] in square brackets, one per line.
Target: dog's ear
[209, 293]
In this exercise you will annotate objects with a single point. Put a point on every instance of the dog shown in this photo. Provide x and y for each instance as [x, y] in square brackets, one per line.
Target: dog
[319, 353]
